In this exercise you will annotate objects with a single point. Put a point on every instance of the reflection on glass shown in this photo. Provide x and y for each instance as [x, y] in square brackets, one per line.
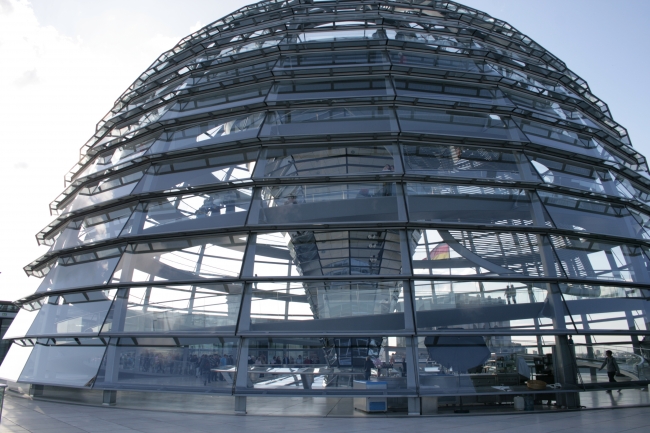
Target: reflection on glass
[68, 364]
[206, 169]
[316, 253]
[181, 308]
[574, 175]
[473, 204]
[14, 362]
[325, 62]
[467, 162]
[328, 161]
[560, 138]
[86, 269]
[327, 306]
[209, 133]
[593, 258]
[325, 202]
[473, 305]
[227, 100]
[93, 228]
[459, 65]
[459, 123]
[79, 313]
[591, 216]
[209, 364]
[116, 157]
[183, 259]
[547, 107]
[104, 190]
[461, 252]
[328, 363]
[439, 92]
[24, 319]
[475, 364]
[190, 212]
[333, 91]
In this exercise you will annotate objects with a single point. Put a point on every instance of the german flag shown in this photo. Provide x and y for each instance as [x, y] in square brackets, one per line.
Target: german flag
[440, 252]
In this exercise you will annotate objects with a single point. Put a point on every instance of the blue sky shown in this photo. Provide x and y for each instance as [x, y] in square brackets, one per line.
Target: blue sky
[66, 61]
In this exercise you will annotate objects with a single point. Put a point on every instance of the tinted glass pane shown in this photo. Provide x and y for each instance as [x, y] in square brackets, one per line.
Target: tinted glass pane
[547, 107]
[546, 135]
[474, 365]
[318, 63]
[94, 228]
[205, 364]
[448, 306]
[591, 216]
[325, 202]
[92, 268]
[366, 89]
[439, 92]
[189, 173]
[79, 313]
[327, 306]
[66, 365]
[182, 259]
[458, 123]
[573, 175]
[186, 308]
[190, 212]
[330, 161]
[473, 204]
[333, 121]
[104, 190]
[209, 133]
[116, 157]
[428, 63]
[467, 162]
[592, 258]
[460, 252]
[327, 364]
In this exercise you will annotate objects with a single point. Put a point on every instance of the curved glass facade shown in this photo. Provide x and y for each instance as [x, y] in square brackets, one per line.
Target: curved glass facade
[305, 196]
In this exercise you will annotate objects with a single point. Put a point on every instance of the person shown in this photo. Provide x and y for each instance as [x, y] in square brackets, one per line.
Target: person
[367, 368]
[612, 368]
[511, 293]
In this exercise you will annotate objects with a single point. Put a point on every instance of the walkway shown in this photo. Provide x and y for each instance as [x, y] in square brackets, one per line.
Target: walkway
[24, 415]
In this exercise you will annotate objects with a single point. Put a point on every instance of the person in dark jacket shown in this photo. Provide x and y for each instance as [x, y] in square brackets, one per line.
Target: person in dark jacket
[367, 367]
[612, 367]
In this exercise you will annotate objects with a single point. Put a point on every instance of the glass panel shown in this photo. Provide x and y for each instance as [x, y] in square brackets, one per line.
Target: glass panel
[14, 362]
[594, 307]
[222, 101]
[80, 313]
[593, 258]
[209, 133]
[335, 36]
[327, 306]
[87, 269]
[467, 162]
[460, 252]
[453, 94]
[195, 171]
[550, 108]
[315, 253]
[183, 259]
[174, 214]
[93, 228]
[66, 365]
[591, 216]
[116, 157]
[573, 175]
[328, 363]
[331, 91]
[469, 305]
[332, 62]
[329, 121]
[331, 202]
[474, 205]
[459, 123]
[326, 161]
[107, 189]
[23, 320]
[208, 364]
[233, 75]
[428, 63]
[559, 138]
[472, 365]
[187, 308]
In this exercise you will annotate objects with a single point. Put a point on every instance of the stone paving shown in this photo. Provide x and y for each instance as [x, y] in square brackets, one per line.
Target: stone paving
[25, 415]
